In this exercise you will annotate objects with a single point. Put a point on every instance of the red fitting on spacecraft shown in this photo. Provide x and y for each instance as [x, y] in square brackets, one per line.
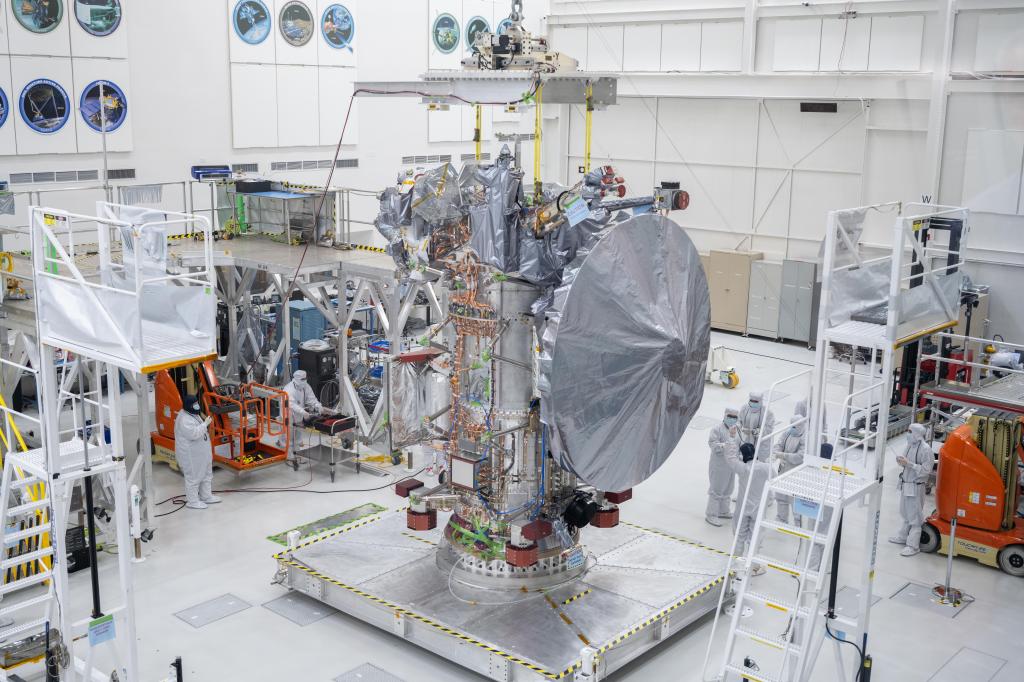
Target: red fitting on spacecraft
[403, 488]
[521, 557]
[619, 497]
[421, 520]
[606, 518]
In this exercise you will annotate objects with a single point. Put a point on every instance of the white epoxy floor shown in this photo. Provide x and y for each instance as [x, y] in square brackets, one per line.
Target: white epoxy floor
[198, 556]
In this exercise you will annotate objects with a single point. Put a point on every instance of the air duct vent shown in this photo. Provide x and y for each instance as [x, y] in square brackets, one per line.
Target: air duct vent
[818, 107]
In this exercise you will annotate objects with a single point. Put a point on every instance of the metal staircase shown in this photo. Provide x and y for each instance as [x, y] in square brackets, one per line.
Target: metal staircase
[906, 299]
[786, 656]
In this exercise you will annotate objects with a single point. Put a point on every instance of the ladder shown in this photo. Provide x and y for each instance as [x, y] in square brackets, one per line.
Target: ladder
[30, 562]
[749, 651]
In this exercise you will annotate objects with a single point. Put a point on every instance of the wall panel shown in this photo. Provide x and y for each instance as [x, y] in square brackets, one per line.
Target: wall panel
[992, 172]
[25, 70]
[642, 47]
[253, 24]
[112, 45]
[298, 110]
[55, 41]
[1000, 46]
[7, 139]
[797, 45]
[335, 92]
[604, 48]
[87, 71]
[446, 16]
[294, 27]
[680, 47]
[254, 105]
[721, 46]
[342, 49]
[844, 44]
[896, 43]
[707, 130]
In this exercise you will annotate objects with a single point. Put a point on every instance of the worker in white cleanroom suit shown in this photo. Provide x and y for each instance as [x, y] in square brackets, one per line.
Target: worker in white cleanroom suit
[801, 410]
[916, 463]
[303, 406]
[757, 471]
[756, 421]
[302, 402]
[722, 480]
[192, 450]
[790, 447]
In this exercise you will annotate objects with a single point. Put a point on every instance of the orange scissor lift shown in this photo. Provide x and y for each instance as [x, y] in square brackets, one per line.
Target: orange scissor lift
[249, 422]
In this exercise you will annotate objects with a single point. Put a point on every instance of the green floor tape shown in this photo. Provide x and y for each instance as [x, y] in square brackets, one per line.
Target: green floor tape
[329, 523]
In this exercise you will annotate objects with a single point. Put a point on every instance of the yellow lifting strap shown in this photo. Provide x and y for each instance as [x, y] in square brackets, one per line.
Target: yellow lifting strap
[479, 133]
[588, 128]
[35, 492]
[538, 186]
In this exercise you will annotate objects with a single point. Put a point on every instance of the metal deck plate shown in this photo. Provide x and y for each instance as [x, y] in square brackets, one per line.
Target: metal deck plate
[299, 609]
[379, 571]
[920, 596]
[367, 673]
[848, 601]
[213, 610]
[969, 665]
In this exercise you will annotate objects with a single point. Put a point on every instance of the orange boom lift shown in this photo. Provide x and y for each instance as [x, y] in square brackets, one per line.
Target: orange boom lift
[979, 485]
[249, 427]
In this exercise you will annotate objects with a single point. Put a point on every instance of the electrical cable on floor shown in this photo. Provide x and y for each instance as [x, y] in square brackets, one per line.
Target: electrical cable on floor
[322, 492]
[178, 499]
[860, 652]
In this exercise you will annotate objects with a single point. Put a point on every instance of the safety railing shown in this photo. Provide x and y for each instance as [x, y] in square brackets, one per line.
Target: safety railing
[132, 313]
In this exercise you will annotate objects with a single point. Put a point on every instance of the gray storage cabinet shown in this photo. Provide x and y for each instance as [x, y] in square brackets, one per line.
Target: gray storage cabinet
[765, 293]
[797, 317]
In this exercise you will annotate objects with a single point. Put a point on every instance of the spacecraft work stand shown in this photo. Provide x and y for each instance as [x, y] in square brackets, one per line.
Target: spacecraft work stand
[118, 317]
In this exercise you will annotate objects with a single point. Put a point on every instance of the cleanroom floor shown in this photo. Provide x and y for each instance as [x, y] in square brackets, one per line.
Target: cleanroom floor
[201, 555]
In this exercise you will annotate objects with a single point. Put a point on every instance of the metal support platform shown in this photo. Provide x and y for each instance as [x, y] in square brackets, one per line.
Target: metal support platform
[640, 587]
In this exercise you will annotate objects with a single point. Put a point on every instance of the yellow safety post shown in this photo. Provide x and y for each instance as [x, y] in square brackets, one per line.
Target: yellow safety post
[538, 186]
[478, 134]
[589, 127]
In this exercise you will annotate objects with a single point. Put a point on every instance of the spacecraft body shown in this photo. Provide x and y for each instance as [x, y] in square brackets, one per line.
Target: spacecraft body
[573, 357]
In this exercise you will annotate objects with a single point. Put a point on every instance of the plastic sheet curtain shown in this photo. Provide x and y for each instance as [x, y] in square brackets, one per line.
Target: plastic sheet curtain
[142, 194]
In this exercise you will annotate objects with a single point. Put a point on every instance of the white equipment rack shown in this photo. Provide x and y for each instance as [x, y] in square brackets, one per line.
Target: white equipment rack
[824, 490]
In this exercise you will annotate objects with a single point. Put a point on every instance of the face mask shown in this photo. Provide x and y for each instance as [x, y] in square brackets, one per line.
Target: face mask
[754, 405]
[793, 432]
[730, 421]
